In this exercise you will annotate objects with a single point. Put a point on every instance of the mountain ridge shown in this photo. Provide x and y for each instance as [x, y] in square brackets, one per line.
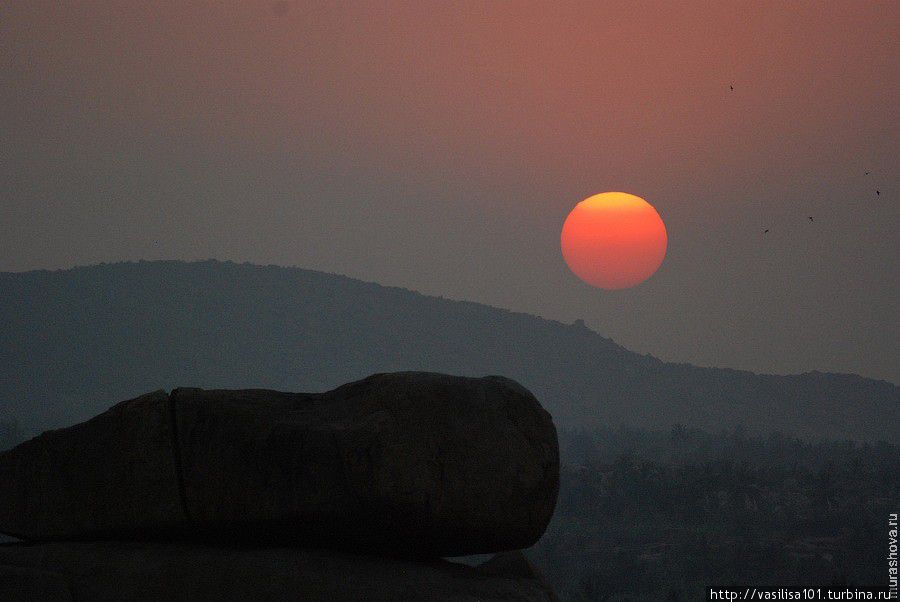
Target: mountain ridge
[77, 338]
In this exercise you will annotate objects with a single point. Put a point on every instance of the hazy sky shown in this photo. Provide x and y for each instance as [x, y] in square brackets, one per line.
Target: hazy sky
[439, 146]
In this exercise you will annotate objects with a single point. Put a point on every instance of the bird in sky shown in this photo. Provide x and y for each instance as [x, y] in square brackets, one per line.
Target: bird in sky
[878, 192]
[732, 87]
[811, 219]
[868, 172]
[766, 231]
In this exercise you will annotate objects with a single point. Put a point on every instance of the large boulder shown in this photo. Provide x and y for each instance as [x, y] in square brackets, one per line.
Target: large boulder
[114, 474]
[146, 571]
[33, 585]
[411, 464]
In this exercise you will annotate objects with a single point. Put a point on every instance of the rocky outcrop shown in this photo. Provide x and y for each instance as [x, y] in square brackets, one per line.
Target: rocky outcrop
[410, 464]
[141, 571]
[511, 564]
[114, 474]
[28, 583]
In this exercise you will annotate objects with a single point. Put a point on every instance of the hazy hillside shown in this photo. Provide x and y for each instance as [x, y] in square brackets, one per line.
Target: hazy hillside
[73, 342]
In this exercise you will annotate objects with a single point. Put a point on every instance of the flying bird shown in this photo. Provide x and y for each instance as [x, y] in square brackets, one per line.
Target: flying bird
[878, 192]
[766, 231]
[868, 172]
[732, 87]
[811, 219]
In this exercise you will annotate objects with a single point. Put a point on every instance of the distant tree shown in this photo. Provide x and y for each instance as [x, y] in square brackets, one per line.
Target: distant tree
[633, 523]
[679, 440]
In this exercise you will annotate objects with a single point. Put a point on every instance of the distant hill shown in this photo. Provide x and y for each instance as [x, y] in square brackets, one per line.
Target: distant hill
[73, 342]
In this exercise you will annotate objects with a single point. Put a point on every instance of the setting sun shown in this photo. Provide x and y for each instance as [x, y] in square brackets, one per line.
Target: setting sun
[613, 240]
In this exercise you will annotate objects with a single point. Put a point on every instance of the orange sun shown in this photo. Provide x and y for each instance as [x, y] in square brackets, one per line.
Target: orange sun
[613, 240]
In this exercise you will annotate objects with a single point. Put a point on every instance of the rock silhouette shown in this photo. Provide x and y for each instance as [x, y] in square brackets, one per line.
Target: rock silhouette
[146, 571]
[406, 464]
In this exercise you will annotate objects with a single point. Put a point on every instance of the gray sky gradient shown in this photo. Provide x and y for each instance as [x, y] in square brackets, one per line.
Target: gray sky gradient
[440, 149]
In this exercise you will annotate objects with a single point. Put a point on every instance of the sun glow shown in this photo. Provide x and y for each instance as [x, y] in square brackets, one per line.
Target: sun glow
[613, 240]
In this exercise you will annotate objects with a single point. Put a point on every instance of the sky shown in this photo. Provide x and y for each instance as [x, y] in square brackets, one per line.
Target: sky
[439, 146]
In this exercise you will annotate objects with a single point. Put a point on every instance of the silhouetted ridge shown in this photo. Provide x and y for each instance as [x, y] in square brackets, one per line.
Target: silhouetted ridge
[76, 340]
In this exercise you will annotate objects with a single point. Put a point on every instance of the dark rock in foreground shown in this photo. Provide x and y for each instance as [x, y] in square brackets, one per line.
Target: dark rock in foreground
[511, 564]
[137, 571]
[410, 464]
